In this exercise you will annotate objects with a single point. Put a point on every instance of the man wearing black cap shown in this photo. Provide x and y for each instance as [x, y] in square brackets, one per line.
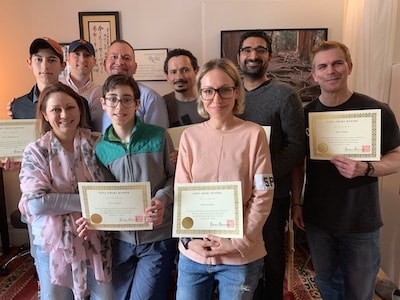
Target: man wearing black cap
[82, 59]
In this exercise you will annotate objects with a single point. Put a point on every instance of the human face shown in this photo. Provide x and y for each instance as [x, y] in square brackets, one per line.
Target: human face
[120, 59]
[46, 66]
[218, 108]
[331, 70]
[63, 114]
[181, 75]
[120, 115]
[81, 62]
[253, 64]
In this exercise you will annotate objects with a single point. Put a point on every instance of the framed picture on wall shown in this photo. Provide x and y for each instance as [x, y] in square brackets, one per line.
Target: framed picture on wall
[290, 60]
[65, 48]
[99, 28]
[150, 64]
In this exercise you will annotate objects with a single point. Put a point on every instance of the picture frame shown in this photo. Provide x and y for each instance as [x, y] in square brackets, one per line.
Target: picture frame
[100, 29]
[65, 48]
[290, 60]
[150, 64]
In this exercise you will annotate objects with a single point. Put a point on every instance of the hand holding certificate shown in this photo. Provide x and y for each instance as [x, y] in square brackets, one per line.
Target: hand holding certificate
[115, 205]
[355, 134]
[213, 208]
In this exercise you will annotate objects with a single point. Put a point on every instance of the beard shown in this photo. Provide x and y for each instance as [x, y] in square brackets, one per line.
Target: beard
[181, 90]
[180, 87]
[256, 71]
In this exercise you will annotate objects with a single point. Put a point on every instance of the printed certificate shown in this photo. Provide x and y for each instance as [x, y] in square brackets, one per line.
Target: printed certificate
[213, 208]
[355, 134]
[15, 135]
[115, 205]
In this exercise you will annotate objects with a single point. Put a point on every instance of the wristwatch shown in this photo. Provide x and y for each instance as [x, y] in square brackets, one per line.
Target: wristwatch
[185, 242]
[370, 169]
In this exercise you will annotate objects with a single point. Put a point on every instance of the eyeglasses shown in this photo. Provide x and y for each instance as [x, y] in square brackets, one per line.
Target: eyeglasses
[125, 101]
[259, 50]
[226, 92]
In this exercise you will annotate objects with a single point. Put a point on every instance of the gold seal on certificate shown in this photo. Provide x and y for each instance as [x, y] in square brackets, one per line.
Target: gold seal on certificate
[208, 208]
[355, 134]
[115, 205]
[187, 223]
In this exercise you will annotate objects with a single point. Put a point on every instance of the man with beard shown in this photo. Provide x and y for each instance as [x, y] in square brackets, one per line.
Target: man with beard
[276, 104]
[120, 59]
[181, 68]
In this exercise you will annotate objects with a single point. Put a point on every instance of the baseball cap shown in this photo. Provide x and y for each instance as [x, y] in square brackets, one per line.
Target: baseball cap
[46, 43]
[81, 43]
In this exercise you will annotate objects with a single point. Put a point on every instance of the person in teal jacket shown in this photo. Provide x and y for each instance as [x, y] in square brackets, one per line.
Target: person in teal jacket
[137, 152]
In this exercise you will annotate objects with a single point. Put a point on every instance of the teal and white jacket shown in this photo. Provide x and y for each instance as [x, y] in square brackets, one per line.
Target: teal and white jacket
[145, 158]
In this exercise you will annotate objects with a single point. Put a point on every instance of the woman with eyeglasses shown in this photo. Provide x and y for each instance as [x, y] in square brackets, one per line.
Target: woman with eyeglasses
[68, 266]
[224, 148]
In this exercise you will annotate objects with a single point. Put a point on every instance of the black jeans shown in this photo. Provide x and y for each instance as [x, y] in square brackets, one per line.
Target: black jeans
[271, 286]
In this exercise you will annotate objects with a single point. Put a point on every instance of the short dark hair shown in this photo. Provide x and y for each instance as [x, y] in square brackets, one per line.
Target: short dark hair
[120, 79]
[58, 87]
[120, 41]
[258, 34]
[179, 52]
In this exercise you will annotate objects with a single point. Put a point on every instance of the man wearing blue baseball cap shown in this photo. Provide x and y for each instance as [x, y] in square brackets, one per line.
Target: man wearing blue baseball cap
[81, 59]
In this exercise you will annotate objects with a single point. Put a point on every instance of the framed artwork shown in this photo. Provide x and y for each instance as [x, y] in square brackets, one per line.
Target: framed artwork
[150, 64]
[65, 47]
[290, 60]
[99, 28]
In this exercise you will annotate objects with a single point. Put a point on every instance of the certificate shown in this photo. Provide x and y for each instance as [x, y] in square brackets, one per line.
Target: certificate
[15, 135]
[213, 208]
[355, 134]
[175, 133]
[115, 205]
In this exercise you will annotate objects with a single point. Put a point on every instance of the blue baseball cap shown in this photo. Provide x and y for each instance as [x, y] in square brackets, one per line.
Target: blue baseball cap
[81, 43]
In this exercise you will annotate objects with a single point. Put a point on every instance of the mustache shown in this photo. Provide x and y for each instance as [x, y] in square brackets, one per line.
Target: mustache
[180, 81]
[256, 60]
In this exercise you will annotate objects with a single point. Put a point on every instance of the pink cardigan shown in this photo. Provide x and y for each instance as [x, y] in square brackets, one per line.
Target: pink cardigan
[241, 154]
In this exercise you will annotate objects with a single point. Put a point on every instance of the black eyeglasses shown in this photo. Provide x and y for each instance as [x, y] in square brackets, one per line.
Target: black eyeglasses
[259, 50]
[125, 101]
[225, 92]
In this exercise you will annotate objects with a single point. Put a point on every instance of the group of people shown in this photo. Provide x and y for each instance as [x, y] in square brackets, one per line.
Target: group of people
[117, 132]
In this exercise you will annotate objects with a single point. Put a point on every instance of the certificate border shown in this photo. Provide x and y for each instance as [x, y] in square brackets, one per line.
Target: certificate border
[18, 122]
[374, 114]
[123, 186]
[181, 232]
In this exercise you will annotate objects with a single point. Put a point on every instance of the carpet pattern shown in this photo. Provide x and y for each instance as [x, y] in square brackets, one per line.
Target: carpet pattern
[21, 282]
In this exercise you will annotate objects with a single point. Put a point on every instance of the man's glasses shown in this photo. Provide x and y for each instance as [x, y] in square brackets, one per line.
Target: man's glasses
[259, 50]
[125, 101]
[226, 92]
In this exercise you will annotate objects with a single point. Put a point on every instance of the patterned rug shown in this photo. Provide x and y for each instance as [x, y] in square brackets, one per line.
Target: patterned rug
[21, 282]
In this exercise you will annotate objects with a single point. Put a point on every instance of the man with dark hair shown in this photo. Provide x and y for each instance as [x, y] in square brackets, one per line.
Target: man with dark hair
[181, 68]
[275, 104]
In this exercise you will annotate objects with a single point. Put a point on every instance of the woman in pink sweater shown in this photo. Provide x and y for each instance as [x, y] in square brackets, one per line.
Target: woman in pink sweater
[225, 148]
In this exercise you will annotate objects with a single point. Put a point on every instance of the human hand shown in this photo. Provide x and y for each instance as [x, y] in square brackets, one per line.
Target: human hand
[347, 167]
[82, 229]
[8, 109]
[297, 216]
[155, 213]
[8, 164]
[173, 156]
[219, 246]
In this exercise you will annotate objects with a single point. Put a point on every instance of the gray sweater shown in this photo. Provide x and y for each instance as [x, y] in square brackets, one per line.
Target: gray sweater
[276, 104]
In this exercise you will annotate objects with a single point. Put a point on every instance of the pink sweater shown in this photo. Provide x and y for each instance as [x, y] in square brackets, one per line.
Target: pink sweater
[241, 154]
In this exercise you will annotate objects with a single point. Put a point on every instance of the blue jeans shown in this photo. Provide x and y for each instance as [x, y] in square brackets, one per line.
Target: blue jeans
[98, 291]
[233, 282]
[143, 271]
[346, 265]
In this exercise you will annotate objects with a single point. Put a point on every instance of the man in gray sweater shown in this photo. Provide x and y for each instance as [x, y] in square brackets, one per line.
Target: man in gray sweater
[276, 104]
